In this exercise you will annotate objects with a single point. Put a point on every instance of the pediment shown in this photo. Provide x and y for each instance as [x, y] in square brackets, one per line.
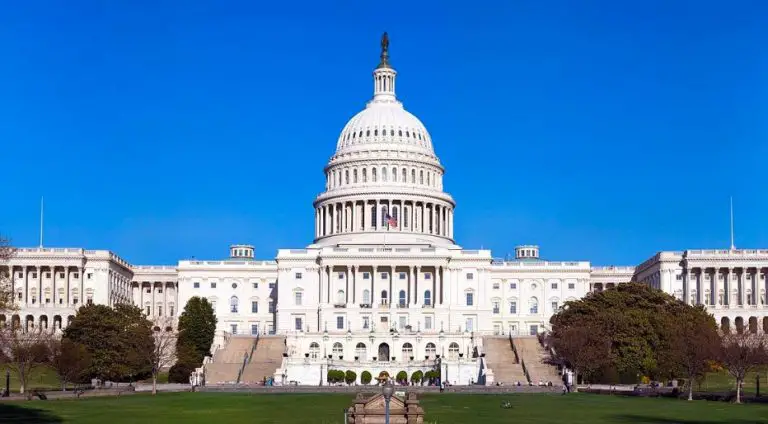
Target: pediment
[378, 403]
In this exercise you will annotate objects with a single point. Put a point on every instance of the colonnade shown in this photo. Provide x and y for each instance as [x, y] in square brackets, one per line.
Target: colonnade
[371, 215]
[46, 286]
[156, 298]
[730, 287]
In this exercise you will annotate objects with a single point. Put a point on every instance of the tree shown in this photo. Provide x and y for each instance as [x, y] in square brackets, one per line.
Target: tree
[619, 333]
[365, 377]
[119, 340]
[741, 353]
[417, 376]
[7, 251]
[69, 359]
[350, 377]
[164, 352]
[401, 377]
[22, 352]
[197, 327]
[694, 342]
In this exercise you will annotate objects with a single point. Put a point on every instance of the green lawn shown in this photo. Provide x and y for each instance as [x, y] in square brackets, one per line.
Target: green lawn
[206, 408]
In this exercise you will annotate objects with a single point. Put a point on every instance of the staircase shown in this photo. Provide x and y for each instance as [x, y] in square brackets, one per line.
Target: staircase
[228, 360]
[266, 359]
[500, 358]
[535, 357]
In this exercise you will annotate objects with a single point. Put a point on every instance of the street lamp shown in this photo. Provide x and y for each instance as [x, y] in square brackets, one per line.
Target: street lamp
[387, 390]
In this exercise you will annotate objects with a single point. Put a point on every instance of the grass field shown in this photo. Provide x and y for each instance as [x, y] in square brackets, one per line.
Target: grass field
[192, 408]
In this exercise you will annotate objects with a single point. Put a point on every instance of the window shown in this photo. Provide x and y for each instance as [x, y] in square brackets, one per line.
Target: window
[554, 306]
[149, 310]
[340, 323]
[427, 276]
[234, 285]
[254, 329]
[47, 300]
[34, 275]
[233, 327]
[88, 301]
[314, 350]
[298, 276]
[255, 285]
[298, 324]
[159, 311]
[47, 275]
[61, 275]
[470, 324]
[496, 307]
[427, 297]
[513, 307]
[470, 276]
[196, 285]
[213, 285]
[341, 276]
[470, 298]
[427, 323]
[341, 299]
[366, 276]
[233, 304]
[571, 286]
[534, 305]
[402, 322]
[338, 349]
[366, 297]
[76, 275]
[554, 286]
[453, 351]
[298, 298]
[384, 297]
[402, 276]
[271, 285]
[430, 350]
[254, 306]
[401, 298]
[271, 307]
[170, 310]
[366, 323]
[149, 290]
[160, 290]
[513, 286]
[679, 277]
[496, 286]
[407, 351]
[89, 276]
[383, 275]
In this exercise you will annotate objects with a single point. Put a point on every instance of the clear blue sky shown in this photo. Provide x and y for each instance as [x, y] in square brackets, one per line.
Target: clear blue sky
[600, 130]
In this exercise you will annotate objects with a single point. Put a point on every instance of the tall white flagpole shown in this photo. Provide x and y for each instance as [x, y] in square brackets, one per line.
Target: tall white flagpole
[733, 245]
[41, 221]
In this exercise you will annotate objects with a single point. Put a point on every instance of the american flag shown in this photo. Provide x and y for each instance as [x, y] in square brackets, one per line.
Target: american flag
[391, 221]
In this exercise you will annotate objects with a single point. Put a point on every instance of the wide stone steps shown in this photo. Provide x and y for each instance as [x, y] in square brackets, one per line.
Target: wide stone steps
[500, 358]
[536, 360]
[228, 360]
[267, 358]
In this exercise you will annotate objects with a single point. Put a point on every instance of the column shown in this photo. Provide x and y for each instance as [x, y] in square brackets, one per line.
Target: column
[39, 287]
[716, 287]
[346, 285]
[729, 287]
[756, 287]
[329, 270]
[354, 284]
[82, 286]
[354, 227]
[377, 221]
[742, 282]
[699, 286]
[344, 217]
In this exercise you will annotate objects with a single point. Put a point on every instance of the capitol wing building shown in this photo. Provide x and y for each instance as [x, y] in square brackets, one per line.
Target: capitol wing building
[383, 287]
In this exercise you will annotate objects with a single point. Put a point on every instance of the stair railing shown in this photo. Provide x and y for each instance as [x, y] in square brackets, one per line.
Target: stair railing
[520, 359]
[246, 359]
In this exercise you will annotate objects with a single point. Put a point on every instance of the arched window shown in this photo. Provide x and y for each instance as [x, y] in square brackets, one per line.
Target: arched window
[373, 175]
[314, 350]
[430, 350]
[533, 303]
[365, 175]
[406, 211]
[233, 304]
[394, 174]
[395, 215]
[407, 351]
[384, 174]
[421, 177]
[405, 176]
[375, 132]
[427, 297]
[413, 176]
[401, 298]
[373, 215]
[453, 351]
[354, 176]
[340, 298]
[384, 297]
[346, 176]
[366, 297]
[428, 174]
[338, 349]
[361, 352]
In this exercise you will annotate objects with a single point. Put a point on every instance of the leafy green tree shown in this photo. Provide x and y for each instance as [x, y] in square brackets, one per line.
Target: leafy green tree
[417, 376]
[365, 377]
[402, 377]
[197, 327]
[117, 339]
[694, 343]
[350, 377]
[69, 360]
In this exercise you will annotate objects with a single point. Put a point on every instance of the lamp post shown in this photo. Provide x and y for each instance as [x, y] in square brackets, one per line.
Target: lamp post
[387, 390]
[7, 383]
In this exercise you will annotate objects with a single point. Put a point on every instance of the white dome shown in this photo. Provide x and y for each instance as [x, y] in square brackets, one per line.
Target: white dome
[385, 126]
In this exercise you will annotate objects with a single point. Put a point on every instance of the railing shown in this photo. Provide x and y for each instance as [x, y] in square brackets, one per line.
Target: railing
[521, 360]
[247, 359]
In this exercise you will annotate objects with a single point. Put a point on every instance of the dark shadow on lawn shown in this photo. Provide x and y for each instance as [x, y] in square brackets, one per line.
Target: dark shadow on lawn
[15, 413]
[635, 418]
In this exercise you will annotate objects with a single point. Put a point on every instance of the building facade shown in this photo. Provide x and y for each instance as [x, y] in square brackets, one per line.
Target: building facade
[383, 284]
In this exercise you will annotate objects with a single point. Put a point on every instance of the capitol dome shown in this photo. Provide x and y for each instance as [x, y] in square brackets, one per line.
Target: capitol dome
[384, 183]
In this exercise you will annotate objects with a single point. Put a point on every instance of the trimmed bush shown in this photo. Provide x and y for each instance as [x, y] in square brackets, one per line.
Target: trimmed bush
[417, 376]
[180, 372]
[335, 376]
[350, 377]
[365, 377]
[402, 377]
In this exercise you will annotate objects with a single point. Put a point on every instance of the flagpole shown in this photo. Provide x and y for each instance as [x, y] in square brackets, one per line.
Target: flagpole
[41, 221]
[733, 246]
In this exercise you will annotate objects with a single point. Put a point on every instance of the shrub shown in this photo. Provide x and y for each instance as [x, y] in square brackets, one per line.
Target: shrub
[417, 376]
[402, 377]
[180, 372]
[350, 377]
[365, 377]
[335, 376]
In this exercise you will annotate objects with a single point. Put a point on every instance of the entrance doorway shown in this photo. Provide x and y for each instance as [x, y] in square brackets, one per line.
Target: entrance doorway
[384, 352]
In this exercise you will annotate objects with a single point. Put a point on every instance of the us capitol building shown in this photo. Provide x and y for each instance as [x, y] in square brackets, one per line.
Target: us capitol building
[384, 285]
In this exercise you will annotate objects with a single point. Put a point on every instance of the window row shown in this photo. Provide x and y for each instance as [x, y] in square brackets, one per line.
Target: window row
[346, 176]
[353, 136]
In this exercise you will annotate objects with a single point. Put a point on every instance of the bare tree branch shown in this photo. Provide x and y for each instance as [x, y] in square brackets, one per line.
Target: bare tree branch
[741, 353]
[23, 352]
[164, 353]
[7, 251]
